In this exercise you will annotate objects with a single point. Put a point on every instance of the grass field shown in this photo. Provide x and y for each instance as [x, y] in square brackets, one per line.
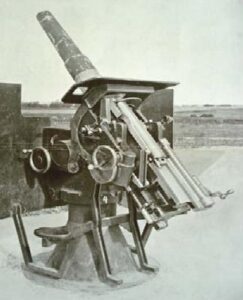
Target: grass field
[194, 126]
[208, 126]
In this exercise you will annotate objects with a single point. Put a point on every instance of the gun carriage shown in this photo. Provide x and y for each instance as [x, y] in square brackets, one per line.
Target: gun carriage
[117, 152]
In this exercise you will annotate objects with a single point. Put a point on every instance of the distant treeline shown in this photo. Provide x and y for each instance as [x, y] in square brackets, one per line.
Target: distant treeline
[60, 104]
[222, 105]
[55, 104]
[205, 105]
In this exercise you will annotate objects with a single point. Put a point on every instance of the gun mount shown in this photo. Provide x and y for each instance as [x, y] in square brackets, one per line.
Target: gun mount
[118, 151]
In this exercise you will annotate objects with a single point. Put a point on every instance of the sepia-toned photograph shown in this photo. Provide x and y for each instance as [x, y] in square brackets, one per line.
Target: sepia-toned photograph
[121, 150]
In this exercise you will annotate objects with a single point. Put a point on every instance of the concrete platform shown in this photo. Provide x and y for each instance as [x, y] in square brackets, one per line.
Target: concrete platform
[200, 254]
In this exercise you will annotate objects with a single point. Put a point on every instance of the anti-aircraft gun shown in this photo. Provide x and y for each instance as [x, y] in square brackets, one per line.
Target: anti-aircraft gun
[118, 151]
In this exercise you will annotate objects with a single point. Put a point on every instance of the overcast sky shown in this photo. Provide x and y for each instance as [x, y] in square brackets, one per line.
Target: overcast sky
[198, 43]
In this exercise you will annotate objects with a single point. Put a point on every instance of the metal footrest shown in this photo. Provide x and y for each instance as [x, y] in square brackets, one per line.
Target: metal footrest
[54, 234]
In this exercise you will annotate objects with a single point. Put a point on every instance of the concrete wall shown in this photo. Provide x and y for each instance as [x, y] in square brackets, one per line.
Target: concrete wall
[16, 133]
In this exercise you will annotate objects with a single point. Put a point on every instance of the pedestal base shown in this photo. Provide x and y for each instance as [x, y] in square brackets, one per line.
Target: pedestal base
[79, 259]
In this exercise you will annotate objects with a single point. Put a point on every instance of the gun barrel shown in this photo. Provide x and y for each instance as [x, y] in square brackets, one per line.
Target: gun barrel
[78, 65]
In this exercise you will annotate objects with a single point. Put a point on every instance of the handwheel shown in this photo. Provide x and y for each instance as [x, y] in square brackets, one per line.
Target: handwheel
[104, 164]
[40, 160]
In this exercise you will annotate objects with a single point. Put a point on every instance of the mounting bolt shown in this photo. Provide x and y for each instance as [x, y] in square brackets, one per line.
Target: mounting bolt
[105, 199]
[91, 167]
[73, 167]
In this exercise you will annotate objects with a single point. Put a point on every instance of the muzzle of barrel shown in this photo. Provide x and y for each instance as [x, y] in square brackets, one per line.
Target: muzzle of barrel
[78, 65]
